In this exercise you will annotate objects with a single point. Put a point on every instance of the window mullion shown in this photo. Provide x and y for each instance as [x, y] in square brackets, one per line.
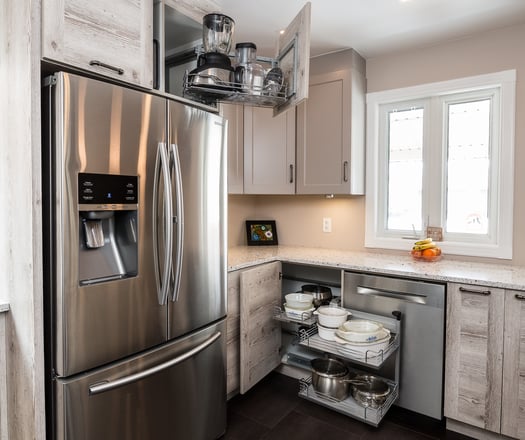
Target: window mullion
[433, 170]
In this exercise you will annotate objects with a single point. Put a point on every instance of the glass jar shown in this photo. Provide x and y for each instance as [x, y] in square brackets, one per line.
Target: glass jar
[249, 74]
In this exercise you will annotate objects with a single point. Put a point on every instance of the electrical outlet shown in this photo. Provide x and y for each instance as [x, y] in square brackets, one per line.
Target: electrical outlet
[327, 224]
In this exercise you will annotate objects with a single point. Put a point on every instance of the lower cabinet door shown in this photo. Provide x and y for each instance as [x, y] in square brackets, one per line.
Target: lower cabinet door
[512, 414]
[186, 400]
[260, 294]
[474, 355]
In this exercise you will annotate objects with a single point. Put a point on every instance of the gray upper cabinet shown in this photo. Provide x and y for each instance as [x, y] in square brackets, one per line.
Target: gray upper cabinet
[331, 127]
[109, 38]
[269, 151]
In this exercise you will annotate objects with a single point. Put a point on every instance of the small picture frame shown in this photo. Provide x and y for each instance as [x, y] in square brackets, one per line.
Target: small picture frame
[261, 232]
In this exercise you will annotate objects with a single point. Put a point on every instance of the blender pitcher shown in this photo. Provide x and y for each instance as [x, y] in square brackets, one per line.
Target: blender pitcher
[217, 33]
[248, 74]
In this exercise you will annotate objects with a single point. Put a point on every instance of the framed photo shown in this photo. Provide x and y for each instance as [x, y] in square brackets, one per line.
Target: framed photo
[261, 232]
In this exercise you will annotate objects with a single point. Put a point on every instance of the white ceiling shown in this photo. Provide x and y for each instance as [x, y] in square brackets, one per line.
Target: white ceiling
[372, 27]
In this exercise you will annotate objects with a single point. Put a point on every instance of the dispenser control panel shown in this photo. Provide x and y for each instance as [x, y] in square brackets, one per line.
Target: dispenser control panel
[107, 189]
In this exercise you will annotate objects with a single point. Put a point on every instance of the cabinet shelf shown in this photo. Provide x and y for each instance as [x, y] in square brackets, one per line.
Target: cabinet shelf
[208, 89]
[311, 339]
[307, 319]
[349, 406]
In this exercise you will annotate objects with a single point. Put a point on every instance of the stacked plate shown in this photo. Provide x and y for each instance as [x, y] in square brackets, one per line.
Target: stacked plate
[299, 305]
[363, 336]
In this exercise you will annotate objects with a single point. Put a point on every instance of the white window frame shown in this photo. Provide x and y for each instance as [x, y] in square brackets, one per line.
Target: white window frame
[502, 165]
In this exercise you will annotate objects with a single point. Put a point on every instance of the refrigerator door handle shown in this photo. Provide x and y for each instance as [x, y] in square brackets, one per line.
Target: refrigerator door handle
[162, 172]
[179, 222]
[108, 385]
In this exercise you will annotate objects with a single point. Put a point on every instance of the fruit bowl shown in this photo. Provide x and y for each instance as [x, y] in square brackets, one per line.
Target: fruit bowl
[428, 258]
[426, 250]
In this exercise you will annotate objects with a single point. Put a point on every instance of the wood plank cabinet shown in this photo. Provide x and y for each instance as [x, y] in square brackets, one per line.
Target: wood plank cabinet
[513, 399]
[3, 378]
[233, 325]
[331, 127]
[269, 151]
[485, 358]
[260, 294]
[113, 39]
[254, 337]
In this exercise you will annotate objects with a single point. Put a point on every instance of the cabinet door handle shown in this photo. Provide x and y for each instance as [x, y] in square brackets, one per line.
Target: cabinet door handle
[156, 64]
[291, 173]
[345, 171]
[520, 297]
[106, 66]
[475, 291]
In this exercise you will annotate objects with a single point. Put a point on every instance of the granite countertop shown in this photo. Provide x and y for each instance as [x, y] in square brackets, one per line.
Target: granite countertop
[493, 275]
[4, 306]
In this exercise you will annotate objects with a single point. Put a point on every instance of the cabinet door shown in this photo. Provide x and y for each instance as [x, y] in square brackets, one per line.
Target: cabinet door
[269, 151]
[234, 113]
[513, 402]
[294, 58]
[474, 355]
[260, 333]
[112, 38]
[233, 333]
[330, 135]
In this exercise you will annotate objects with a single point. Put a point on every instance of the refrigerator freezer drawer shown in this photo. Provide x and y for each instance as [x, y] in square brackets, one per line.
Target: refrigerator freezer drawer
[175, 391]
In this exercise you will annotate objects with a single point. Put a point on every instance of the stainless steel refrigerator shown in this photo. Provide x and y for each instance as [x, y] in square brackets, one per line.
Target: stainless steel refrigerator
[135, 250]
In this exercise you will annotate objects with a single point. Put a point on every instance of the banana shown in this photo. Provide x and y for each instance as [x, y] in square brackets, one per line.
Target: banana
[425, 241]
[422, 247]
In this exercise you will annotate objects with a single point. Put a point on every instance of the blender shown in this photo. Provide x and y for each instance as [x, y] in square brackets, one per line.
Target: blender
[214, 67]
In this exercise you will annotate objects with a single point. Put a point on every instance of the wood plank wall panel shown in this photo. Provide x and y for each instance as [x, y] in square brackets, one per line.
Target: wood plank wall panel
[20, 196]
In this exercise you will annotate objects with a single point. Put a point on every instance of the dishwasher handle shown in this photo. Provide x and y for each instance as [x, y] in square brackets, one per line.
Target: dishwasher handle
[107, 385]
[403, 296]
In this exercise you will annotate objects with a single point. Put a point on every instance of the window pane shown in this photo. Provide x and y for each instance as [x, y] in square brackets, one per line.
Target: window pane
[405, 169]
[468, 167]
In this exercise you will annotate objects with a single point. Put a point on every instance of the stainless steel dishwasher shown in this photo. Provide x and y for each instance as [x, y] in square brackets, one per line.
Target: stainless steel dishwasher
[422, 305]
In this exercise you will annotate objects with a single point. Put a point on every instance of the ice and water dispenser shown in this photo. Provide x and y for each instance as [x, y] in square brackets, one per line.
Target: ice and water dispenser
[108, 229]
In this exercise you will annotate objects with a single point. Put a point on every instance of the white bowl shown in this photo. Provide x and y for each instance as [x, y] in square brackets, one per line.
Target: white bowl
[326, 333]
[299, 300]
[331, 317]
[298, 313]
[360, 330]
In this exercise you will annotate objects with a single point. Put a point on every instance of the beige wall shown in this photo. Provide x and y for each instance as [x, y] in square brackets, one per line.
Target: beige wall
[299, 218]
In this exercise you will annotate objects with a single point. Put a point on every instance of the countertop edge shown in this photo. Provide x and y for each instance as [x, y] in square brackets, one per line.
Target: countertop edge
[4, 306]
[485, 274]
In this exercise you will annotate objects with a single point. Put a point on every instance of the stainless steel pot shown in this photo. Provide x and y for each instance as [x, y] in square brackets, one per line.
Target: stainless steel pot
[322, 294]
[370, 391]
[330, 378]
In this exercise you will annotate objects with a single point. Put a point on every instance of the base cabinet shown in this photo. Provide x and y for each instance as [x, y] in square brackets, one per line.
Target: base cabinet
[513, 398]
[485, 358]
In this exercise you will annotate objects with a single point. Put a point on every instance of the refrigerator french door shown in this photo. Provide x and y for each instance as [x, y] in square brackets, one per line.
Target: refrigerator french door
[135, 260]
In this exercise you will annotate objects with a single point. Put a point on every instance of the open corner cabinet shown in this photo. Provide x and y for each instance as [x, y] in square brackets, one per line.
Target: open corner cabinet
[292, 57]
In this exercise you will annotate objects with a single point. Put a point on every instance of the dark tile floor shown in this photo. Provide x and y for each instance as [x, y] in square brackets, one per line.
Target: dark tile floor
[272, 410]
